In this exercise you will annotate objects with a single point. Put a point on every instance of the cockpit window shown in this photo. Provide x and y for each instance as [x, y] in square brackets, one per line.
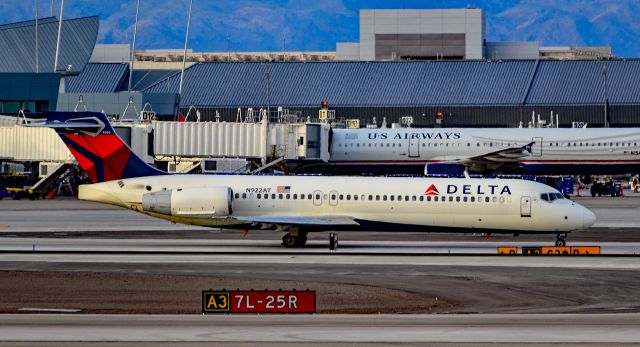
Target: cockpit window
[550, 197]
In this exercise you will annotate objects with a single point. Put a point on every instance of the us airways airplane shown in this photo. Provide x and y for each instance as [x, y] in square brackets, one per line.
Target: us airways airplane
[537, 151]
[301, 204]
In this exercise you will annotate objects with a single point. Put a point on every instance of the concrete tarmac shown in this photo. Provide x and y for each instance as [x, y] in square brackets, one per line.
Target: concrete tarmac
[313, 329]
[253, 246]
[136, 256]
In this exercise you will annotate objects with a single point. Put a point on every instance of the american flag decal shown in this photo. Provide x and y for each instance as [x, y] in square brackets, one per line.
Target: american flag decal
[283, 189]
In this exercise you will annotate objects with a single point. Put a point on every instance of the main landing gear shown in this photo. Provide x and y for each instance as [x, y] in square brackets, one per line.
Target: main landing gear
[294, 240]
[560, 240]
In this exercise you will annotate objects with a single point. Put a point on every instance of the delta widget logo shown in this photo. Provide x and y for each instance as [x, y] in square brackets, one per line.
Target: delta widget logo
[432, 190]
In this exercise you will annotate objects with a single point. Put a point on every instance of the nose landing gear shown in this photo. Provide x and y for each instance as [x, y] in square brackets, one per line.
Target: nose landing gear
[560, 240]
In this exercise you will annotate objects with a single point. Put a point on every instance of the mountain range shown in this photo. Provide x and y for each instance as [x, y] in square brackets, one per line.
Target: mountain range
[273, 25]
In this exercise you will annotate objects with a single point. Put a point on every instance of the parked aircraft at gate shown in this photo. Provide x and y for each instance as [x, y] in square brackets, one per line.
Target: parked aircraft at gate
[538, 151]
[301, 204]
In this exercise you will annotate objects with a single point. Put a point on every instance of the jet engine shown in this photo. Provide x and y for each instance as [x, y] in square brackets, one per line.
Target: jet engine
[201, 202]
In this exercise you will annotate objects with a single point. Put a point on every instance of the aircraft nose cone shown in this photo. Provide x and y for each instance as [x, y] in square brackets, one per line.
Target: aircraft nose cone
[588, 218]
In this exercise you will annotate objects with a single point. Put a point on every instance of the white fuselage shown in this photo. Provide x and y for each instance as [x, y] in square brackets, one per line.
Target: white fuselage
[555, 150]
[377, 203]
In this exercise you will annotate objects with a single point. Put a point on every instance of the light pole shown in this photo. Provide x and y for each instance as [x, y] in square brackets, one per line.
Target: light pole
[133, 49]
[606, 96]
[186, 44]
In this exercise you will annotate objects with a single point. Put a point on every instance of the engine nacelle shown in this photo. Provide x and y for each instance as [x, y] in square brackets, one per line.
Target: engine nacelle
[444, 169]
[202, 202]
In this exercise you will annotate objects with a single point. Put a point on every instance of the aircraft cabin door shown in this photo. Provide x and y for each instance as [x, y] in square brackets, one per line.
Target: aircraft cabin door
[525, 206]
[414, 147]
[536, 149]
[317, 198]
[333, 198]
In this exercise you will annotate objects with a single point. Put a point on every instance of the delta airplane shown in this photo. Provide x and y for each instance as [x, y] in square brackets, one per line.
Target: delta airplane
[301, 204]
[537, 151]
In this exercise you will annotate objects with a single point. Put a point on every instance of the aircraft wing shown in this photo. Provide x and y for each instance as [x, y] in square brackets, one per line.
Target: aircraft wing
[495, 160]
[301, 220]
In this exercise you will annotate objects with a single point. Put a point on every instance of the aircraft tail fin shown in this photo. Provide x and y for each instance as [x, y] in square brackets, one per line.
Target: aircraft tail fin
[98, 149]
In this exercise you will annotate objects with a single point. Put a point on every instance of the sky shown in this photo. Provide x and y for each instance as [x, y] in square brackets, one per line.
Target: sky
[316, 25]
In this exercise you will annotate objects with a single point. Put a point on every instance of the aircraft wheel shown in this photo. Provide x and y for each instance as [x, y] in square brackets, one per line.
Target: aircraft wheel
[561, 242]
[289, 241]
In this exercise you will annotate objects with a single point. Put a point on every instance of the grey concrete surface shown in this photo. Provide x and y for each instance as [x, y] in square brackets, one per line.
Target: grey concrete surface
[513, 328]
[253, 246]
[600, 263]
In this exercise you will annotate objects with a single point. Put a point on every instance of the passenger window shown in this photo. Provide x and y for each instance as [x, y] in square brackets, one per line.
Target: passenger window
[413, 198]
[266, 196]
[259, 195]
[370, 197]
[472, 199]
[450, 198]
[435, 198]
[341, 197]
[288, 196]
[237, 196]
[494, 199]
[486, 199]
[377, 197]
[309, 196]
[301, 196]
[457, 199]
[244, 195]
[384, 198]
[399, 197]
[295, 196]
[280, 196]
[355, 197]
[406, 198]
[464, 199]
[333, 196]
[428, 198]
[391, 197]
[348, 196]
[318, 197]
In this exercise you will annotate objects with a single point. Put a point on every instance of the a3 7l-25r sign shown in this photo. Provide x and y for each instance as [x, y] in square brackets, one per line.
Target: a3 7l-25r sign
[262, 301]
